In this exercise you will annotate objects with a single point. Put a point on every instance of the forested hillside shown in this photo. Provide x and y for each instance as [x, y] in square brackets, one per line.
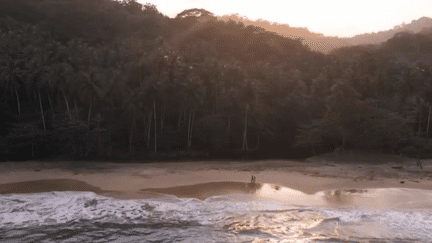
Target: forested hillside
[102, 79]
[325, 44]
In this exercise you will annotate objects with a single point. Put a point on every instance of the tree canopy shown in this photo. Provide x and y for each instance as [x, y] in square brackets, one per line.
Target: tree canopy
[111, 79]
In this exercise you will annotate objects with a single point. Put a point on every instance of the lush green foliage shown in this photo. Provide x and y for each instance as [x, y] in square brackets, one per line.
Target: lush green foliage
[102, 78]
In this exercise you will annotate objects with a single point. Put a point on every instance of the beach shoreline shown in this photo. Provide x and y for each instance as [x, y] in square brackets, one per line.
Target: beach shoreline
[129, 180]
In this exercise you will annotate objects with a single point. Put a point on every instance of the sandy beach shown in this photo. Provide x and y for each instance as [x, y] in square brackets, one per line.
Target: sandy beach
[201, 179]
[354, 197]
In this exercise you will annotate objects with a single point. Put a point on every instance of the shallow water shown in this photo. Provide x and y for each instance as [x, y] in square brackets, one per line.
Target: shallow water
[268, 213]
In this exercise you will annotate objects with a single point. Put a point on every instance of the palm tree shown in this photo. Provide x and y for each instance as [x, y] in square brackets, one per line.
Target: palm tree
[150, 89]
[11, 76]
[429, 119]
[41, 82]
[133, 107]
[155, 132]
[194, 94]
[89, 90]
[245, 145]
[42, 112]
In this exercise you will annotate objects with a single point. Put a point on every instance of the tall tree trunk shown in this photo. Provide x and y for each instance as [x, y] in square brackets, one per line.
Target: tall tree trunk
[162, 120]
[28, 96]
[190, 129]
[179, 121]
[154, 109]
[256, 147]
[19, 105]
[131, 133]
[130, 141]
[34, 100]
[188, 138]
[193, 116]
[67, 105]
[216, 103]
[245, 132]
[109, 141]
[43, 118]
[100, 146]
[148, 130]
[66, 101]
[32, 150]
[58, 101]
[88, 119]
[49, 99]
[429, 118]
[419, 126]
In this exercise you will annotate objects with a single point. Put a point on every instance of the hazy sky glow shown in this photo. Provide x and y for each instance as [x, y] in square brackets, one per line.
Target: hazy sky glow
[330, 17]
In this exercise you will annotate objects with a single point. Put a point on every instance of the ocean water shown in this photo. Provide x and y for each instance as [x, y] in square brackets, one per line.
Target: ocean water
[268, 214]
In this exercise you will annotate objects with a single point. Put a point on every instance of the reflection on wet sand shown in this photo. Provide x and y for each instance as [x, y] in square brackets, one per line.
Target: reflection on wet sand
[204, 190]
[341, 197]
[380, 198]
[253, 187]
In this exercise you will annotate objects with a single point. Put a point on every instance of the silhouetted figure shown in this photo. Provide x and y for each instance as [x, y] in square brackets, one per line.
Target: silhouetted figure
[418, 162]
[253, 179]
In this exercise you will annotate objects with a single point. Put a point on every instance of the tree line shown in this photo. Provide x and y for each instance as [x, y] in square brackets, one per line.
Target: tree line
[117, 79]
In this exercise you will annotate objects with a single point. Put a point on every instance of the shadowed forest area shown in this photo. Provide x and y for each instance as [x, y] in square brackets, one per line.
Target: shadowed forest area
[104, 79]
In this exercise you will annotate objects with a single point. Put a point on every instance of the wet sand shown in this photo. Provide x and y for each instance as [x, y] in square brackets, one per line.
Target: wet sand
[204, 190]
[203, 179]
[47, 186]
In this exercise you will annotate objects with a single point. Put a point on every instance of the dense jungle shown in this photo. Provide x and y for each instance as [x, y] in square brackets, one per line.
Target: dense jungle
[116, 80]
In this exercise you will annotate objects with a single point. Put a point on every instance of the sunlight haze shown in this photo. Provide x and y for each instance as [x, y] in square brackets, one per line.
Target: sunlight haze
[331, 18]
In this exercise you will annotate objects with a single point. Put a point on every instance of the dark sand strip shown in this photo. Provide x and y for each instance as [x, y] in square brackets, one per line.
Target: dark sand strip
[48, 186]
[200, 191]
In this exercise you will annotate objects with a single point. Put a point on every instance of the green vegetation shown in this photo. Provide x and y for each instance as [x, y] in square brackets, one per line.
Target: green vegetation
[103, 79]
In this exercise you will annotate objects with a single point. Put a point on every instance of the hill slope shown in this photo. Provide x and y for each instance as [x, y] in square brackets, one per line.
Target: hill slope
[321, 43]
